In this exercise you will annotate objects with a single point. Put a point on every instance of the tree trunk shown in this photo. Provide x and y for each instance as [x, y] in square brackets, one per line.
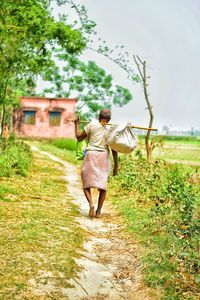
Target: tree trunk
[147, 137]
[3, 119]
[141, 65]
[11, 120]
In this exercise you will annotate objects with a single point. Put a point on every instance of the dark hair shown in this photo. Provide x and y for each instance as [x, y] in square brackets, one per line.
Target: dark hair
[105, 114]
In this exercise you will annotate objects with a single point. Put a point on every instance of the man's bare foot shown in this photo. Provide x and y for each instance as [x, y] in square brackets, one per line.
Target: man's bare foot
[98, 214]
[91, 211]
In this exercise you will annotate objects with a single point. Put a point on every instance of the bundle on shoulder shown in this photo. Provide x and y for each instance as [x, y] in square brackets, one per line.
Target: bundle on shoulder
[121, 138]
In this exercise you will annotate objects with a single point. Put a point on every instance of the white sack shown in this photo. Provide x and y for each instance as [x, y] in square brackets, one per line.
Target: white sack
[121, 138]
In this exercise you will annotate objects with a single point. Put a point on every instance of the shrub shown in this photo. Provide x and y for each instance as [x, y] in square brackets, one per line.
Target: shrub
[15, 157]
[161, 200]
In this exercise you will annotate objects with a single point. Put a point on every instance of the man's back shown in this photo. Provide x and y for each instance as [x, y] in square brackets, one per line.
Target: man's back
[96, 134]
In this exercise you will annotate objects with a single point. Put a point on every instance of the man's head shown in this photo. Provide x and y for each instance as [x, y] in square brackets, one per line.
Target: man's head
[105, 115]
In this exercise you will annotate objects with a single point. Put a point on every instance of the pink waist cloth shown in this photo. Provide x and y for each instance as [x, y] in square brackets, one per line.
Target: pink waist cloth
[95, 169]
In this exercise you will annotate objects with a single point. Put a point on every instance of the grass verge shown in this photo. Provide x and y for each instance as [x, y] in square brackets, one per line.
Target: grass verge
[39, 236]
[160, 203]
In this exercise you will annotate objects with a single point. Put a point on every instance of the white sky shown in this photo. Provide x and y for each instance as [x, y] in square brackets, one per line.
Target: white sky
[167, 35]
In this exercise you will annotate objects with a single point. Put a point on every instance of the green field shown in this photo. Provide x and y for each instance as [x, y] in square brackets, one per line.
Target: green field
[177, 150]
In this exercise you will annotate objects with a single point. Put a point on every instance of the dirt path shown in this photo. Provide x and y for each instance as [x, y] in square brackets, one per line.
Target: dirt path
[110, 263]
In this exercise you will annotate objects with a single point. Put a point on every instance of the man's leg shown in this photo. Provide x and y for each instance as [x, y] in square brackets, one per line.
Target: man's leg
[102, 196]
[88, 196]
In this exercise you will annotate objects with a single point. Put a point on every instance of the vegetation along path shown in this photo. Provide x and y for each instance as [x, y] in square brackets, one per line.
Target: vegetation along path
[109, 264]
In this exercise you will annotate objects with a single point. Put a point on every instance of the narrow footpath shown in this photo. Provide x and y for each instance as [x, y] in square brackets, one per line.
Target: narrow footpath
[110, 263]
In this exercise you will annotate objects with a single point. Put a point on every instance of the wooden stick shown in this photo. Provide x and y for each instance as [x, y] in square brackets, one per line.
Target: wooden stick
[131, 126]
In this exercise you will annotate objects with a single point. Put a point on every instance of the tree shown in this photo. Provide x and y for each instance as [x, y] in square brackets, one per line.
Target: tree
[93, 87]
[28, 34]
[15, 89]
[122, 59]
[141, 66]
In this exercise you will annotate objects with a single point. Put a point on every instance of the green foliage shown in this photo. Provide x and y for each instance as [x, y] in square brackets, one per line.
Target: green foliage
[84, 24]
[161, 204]
[15, 157]
[69, 144]
[28, 34]
[92, 86]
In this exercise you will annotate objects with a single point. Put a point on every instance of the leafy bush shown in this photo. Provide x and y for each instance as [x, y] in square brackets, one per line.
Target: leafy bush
[161, 201]
[15, 157]
[69, 144]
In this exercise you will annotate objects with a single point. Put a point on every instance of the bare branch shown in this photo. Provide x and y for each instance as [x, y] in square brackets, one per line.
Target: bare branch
[138, 67]
[142, 62]
[141, 66]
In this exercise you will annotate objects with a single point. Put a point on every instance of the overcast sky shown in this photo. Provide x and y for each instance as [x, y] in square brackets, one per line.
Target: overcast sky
[167, 35]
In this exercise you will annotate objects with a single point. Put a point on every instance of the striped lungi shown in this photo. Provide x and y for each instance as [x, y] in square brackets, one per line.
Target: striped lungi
[95, 169]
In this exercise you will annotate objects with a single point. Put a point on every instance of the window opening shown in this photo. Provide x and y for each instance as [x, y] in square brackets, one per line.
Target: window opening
[55, 117]
[29, 117]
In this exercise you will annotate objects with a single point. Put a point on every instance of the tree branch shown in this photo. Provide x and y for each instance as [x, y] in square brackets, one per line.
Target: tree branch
[138, 67]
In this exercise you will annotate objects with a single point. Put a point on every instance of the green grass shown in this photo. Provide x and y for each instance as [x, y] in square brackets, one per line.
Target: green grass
[189, 143]
[177, 139]
[68, 144]
[64, 154]
[39, 236]
[178, 150]
[175, 153]
[181, 138]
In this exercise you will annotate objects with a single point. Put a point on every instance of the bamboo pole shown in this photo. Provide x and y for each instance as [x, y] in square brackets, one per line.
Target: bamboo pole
[131, 126]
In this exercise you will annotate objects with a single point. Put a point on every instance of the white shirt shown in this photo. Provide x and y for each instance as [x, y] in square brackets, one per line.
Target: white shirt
[96, 134]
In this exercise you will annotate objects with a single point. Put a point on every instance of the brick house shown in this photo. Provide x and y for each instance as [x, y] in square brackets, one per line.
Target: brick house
[45, 117]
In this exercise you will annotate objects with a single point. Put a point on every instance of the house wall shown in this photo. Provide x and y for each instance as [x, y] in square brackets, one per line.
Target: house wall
[42, 127]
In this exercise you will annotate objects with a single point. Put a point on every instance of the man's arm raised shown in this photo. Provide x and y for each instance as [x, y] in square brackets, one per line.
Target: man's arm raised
[79, 135]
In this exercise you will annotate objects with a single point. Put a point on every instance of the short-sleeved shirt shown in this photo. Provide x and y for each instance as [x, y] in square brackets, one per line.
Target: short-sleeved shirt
[97, 136]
